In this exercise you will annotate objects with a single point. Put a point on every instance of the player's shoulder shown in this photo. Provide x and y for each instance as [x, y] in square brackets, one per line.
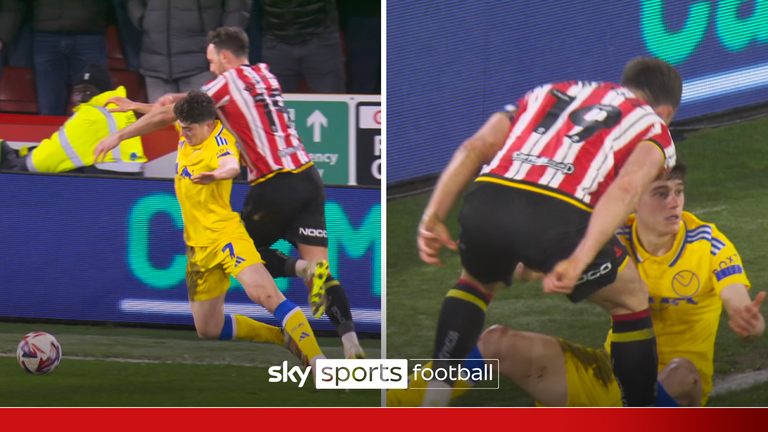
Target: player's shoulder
[625, 230]
[697, 229]
[224, 133]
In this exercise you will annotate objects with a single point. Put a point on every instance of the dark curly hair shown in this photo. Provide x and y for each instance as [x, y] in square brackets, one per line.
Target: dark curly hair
[196, 107]
[232, 39]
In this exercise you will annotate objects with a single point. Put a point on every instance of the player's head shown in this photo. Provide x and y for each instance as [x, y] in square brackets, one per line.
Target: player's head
[661, 206]
[657, 83]
[196, 114]
[93, 80]
[227, 49]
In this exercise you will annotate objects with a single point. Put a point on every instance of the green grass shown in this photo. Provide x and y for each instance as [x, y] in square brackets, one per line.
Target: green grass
[727, 185]
[174, 368]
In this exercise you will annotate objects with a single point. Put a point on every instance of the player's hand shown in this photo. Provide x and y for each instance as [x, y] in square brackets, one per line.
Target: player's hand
[204, 178]
[164, 100]
[563, 276]
[123, 104]
[104, 147]
[432, 236]
[746, 320]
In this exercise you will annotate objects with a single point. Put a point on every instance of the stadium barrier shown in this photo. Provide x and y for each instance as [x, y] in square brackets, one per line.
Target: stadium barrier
[99, 248]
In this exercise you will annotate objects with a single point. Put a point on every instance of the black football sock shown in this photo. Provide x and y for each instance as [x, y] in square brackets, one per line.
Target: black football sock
[277, 263]
[635, 360]
[338, 309]
[461, 322]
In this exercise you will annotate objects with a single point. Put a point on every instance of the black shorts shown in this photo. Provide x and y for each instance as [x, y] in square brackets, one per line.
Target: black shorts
[502, 226]
[288, 206]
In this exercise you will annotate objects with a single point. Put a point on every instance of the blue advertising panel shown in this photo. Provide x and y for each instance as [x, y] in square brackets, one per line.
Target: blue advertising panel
[106, 249]
[451, 64]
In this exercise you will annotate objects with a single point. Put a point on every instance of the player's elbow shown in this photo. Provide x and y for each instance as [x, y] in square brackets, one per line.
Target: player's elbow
[628, 186]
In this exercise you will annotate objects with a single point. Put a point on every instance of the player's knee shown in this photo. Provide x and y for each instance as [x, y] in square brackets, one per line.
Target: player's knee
[497, 339]
[208, 332]
[682, 381]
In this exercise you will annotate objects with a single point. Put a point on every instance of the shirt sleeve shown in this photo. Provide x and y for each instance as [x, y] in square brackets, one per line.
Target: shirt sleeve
[726, 266]
[659, 134]
[218, 89]
[225, 147]
[654, 131]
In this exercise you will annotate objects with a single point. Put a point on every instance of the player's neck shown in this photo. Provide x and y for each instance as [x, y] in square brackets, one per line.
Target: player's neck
[236, 63]
[654, 243]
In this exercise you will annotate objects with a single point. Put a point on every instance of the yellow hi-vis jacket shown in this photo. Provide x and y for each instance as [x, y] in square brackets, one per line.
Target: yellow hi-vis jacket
[72, 145]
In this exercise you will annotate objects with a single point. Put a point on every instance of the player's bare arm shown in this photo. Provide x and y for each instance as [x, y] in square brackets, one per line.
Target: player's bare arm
[618, 202]
[125, 105]
[475, 152]
[169, 99]
[228, 169]
[744, 314]
[154, 120]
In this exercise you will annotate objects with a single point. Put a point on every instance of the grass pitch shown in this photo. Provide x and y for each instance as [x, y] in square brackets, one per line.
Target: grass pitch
[131, 367]
[727, 185]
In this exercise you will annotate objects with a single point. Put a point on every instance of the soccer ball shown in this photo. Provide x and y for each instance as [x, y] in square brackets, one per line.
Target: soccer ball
[39, 353]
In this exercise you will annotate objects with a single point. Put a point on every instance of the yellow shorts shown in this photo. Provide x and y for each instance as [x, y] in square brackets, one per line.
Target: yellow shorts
[209, 267]
[590, 377]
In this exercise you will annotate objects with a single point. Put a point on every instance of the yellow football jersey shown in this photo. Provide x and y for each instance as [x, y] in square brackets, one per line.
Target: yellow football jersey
[684, 287]
[205, 208]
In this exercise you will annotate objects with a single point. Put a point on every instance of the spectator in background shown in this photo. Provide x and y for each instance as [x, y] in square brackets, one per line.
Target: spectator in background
[301, 38]
[174, 39]
[70, 149]
[11, 15]
[361, 21]
[68, 36]
[130, 35]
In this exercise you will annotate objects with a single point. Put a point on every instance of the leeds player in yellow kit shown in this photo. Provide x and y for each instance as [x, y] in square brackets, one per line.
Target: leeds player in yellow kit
[218, 245]
[692, 271]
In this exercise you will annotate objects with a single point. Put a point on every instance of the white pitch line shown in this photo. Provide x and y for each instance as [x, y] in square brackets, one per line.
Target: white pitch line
[739, 381]
[127, 360]
[708, 210]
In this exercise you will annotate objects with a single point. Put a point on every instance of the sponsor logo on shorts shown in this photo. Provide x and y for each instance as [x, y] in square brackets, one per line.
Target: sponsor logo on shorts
[312, 232]
[563, 167]
[594, 274]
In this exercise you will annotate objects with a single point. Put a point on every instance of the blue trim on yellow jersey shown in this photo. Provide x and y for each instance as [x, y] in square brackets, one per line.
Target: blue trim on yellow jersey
[717, 246]
[703, 232]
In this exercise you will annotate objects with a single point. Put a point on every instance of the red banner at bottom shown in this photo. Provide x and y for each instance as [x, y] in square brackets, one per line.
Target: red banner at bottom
[362, 419]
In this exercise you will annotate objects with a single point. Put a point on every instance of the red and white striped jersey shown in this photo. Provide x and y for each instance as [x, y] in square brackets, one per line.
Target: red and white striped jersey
[575, 136]
[250, 104]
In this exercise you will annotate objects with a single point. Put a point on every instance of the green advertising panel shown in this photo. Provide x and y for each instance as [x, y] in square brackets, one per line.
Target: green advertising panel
[323, 127]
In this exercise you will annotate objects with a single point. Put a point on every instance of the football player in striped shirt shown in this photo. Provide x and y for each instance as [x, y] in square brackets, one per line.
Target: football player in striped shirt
[561, 172]
[692, 271]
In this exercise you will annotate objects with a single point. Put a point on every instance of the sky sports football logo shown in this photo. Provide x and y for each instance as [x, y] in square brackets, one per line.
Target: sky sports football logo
[385, 374]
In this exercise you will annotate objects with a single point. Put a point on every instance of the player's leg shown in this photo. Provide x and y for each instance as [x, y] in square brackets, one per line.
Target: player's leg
[533, 361]
[489, 225]
[633, 347]
[682, 382]
[461, 321]
[207, 287]
[260, 287]
[326, 293]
